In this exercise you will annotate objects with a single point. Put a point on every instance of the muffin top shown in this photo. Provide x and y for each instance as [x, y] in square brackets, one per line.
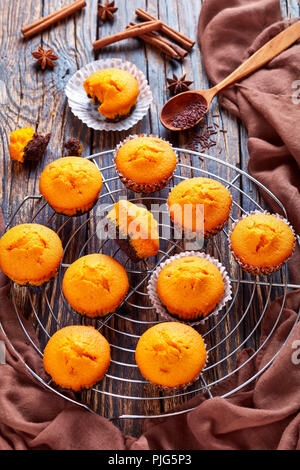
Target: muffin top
[194, 279]
[201, 194]
[70, 184]
[138, 224]
[116, 90]
[146, 160]
[170, 354]
[95, 284]
[30, 253]
[262, 240]
[76, 357]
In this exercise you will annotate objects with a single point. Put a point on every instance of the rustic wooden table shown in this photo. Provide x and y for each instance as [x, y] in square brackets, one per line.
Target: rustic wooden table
[30, 97]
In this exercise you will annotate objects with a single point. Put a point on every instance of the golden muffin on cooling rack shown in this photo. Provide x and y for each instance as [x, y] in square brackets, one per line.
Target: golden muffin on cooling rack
[30, 254]
[95, 285]
[261, 243]
[71, 185]
[115, 90]
[190, 287]
[145, 163]
[77, 357]
[171, 355]
[197, 200]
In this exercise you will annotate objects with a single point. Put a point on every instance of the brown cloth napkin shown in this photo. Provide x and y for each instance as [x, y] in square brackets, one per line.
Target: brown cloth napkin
[265, 414]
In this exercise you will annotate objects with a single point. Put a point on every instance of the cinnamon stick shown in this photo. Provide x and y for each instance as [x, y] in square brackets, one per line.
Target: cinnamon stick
[186, 42]
[48, 21]
[163, 44]
[137, 30]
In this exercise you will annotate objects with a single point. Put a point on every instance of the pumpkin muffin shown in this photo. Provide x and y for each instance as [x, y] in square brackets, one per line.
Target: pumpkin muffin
[77, 357]
[171, 354]
[25, 144]
[95, 285]
[30, 254]
[71, 185]
[134, 229]
[261, 243]
[115, 90]
[190, 287]
[145, 163]
[200, 204]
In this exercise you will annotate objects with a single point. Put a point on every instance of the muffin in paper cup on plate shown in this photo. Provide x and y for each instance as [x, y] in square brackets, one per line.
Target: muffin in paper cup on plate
[189, 287]
[109, 94]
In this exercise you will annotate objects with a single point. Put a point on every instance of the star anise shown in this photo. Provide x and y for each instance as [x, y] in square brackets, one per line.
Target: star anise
[45, 58]
[106, 12]
[178, 85]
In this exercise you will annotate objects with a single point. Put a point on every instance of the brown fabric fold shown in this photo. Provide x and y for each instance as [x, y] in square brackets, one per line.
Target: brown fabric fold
[265, 413]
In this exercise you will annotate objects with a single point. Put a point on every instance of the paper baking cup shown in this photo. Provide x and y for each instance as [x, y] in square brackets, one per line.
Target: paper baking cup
[159, 307]
[255, 269]
[87, 111]
[139, 187]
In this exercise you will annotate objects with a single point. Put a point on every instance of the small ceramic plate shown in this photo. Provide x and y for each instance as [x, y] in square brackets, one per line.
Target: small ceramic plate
[87, 112]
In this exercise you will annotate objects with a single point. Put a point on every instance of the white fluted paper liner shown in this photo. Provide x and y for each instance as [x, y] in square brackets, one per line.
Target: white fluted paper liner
[161, 310]
[255, 269]
[87, 111]
[139, 187]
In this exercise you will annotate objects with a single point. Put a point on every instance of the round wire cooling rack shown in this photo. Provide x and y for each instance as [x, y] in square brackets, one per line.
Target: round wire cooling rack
[124, 393]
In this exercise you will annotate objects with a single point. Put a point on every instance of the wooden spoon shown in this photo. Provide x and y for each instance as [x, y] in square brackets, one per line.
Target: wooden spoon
[266, 53]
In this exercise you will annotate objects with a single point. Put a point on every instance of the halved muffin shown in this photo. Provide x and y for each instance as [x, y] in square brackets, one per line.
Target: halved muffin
[134, 229]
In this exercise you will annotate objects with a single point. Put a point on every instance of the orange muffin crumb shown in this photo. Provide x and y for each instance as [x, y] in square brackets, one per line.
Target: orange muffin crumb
[71, 185]
[190, 287]
[18, 141]
[95, 285]
[135, 230]
[116, 90]
[170, 354]
[145, 161]
[25, 144]
[77, 357]
[30, 254]
[262, 241]
[185, 201]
